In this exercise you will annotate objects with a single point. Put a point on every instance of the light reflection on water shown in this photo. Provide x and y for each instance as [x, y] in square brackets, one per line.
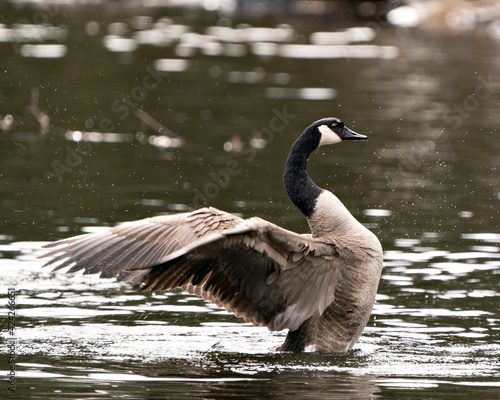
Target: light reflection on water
[419, 343]
[43, 50]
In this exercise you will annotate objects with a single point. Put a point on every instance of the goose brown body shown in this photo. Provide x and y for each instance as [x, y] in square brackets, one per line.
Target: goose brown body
[321, 286]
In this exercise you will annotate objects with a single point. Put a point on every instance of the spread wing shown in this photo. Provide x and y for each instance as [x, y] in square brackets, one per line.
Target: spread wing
[266, 274]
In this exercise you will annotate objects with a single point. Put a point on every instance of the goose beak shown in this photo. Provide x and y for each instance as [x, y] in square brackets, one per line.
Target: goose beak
[351, 135]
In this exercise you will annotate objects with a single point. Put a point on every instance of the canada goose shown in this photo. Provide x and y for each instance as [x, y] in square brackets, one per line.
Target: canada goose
[321, 286]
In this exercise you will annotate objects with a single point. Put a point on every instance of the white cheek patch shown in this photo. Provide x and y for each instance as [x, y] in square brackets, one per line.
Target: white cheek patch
[328, 136]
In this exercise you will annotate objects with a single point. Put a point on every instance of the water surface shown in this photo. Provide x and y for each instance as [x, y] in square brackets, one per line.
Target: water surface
[219, 111]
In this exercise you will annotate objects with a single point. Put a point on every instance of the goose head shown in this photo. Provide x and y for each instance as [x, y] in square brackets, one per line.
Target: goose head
[332, 130]
[300, 188]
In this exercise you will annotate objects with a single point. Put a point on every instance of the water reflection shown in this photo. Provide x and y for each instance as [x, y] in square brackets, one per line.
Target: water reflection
[187, 380]
[216, 353]
[25, 33]
[405, 336]
[43, 50]
[334, 51]
[300, 93]
[118, 44]
[447, 16]
[171, 65]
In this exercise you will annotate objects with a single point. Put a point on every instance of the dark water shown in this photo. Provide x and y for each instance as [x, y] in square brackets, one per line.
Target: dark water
[76, 155]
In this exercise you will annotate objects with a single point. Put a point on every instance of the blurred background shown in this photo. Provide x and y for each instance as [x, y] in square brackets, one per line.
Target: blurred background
[119, 110]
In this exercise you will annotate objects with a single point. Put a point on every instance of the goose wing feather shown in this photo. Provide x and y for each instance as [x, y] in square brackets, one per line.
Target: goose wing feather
[266, 274]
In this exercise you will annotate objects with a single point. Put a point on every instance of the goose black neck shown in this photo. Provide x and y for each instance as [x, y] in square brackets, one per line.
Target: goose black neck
[300, 188]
